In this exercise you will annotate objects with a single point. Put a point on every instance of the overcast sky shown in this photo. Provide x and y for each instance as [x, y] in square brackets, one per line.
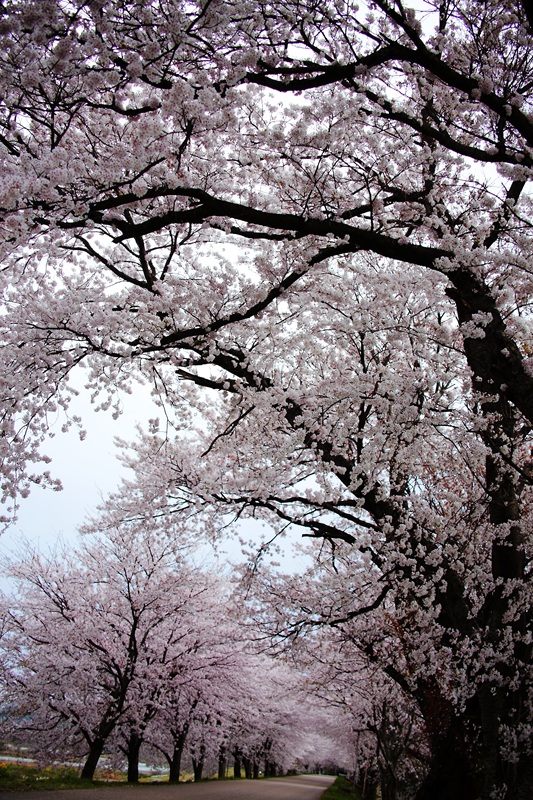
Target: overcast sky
[89, 470]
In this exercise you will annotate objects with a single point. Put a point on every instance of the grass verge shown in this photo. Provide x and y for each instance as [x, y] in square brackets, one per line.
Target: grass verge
[342, 789]
[23, 777]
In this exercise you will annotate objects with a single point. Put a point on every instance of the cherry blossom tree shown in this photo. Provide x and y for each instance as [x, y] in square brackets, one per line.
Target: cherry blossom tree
[308, 225]
[96, 627]
[349, 661]
[121, 645]
[229, 702]
[197, 689]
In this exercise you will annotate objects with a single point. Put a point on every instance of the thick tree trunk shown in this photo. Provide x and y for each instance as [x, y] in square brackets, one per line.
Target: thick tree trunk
[91, 762]
[369, 789]
[255, 769]
[467, 762]
[388, 786]
[175, 761]
[524, 778]
[247, 764]
[134, 748]
[450, 771]
[237, 763]
[198, 763]
[105, 728]
[450, 775]
[222, 762]
[175, 766]
[270, 769]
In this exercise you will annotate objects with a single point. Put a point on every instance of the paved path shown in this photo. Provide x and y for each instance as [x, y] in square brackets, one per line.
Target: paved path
[301, 787]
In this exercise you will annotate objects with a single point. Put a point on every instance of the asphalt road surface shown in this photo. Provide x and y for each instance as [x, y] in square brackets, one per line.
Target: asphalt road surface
[301, 787]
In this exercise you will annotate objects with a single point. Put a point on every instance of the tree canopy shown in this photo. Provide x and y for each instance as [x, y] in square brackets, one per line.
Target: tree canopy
[308, 226]
[122, 646]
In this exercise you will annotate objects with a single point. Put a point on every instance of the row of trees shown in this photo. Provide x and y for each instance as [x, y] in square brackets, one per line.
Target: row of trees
[353, 664]
[120, 647]
[308, 225]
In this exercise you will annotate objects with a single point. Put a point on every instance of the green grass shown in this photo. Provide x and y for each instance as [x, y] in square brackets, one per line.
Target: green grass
[22, 777]
[342, 789]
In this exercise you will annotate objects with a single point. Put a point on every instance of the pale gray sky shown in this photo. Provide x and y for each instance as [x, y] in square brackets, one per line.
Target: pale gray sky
[89, 470]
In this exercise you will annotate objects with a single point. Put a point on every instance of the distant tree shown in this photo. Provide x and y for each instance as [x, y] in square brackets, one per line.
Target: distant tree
[186, 654]
[198, 688]
[352, 664]
[357, 364]
[169, 737]
[89, 623]
[226, 700]
[120, 644]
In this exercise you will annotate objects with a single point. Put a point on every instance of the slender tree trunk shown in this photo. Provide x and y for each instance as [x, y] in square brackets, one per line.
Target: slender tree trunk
[255, 769]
